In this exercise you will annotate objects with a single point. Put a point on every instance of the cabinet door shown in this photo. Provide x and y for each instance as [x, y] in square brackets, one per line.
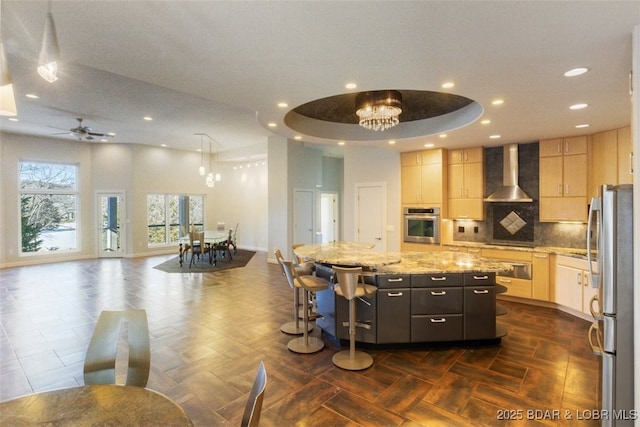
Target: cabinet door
[569, 287]
[551, 147]
[551, 176]
[540, 285]
[575, 175]
[479, 312]
[432, 184]
[604, 152]
[473, 155]
[411, 184]
[411, 158]
[554, 209]
[394, 316]
[575, 145]
[625, 156]
[455, 183]
[474, 180]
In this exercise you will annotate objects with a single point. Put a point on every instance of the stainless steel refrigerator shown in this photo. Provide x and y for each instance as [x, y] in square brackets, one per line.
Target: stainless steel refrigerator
[611, 335]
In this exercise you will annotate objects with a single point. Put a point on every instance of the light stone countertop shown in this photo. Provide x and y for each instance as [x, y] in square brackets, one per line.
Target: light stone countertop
[571, 252]
[359, 255]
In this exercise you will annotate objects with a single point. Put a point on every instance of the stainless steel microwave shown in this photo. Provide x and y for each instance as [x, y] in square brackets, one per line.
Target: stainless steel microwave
[422, 225]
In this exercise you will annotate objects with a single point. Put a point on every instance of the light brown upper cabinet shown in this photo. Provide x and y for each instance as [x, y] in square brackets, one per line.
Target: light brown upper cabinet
[563, 179]
[465, 183]
[612, 159]
[423, 178]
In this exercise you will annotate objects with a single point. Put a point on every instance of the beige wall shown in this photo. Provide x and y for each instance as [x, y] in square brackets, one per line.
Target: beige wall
[135, 170]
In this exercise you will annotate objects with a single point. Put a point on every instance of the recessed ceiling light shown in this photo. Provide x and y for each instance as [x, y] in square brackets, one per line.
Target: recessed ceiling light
[147, 118]
[163, 145]
[341, 142]
[297, 137]
[584, 125]
[429, 145]
[32, 96]
[495, 136]
[485, 122]
[443, 135]
[272, 124]
[283, 104]
[576, 72]
[111, 134]
[578, 106]
[391, 142]
[13, 119]
[497, 101]
[448, 85]
[351, 86]
[104, 140]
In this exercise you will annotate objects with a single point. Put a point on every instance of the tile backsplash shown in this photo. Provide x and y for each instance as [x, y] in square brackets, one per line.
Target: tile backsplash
[532, 232]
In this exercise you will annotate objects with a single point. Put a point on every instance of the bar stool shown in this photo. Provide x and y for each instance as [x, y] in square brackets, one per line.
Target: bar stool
[294, 327]
[351, 286]
[304, 344]
[306, 268]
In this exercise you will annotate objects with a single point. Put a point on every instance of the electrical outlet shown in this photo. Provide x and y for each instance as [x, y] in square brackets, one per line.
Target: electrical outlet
[460, 229]
[476, 229]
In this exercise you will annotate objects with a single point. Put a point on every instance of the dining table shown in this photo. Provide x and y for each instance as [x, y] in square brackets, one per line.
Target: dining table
[211, 237]
[88, 405]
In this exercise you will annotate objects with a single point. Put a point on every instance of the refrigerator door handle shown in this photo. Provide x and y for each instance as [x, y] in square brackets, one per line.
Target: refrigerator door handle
[597, 349]
[596, 314]
[593, 209]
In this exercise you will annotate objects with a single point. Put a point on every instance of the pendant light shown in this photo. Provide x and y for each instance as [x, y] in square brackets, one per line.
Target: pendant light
[210, 181]
[50, 53]
[201, 168]
[7, 97]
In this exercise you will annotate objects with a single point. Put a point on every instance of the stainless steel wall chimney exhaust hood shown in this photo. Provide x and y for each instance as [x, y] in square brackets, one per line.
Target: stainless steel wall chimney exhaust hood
[510, 190]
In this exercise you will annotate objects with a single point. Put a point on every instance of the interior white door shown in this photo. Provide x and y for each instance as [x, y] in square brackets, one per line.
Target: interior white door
[303, 217]
[329, 217]
[370, 215]
[110, 226]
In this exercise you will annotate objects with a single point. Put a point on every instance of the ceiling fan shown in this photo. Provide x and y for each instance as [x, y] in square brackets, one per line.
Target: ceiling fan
[84, 132]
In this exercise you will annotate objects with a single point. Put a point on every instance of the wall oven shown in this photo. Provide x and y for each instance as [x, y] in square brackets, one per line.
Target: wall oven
[422, 225]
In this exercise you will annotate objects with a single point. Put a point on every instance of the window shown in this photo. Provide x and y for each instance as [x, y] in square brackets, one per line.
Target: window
[170, 216]
[48, 207]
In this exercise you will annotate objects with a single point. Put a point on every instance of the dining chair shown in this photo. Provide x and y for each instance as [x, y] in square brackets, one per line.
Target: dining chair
[253, 408]
[235, 239]
[100, 361]
[198, 247]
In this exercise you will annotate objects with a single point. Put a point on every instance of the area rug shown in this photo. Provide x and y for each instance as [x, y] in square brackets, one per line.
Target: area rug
[240, 259]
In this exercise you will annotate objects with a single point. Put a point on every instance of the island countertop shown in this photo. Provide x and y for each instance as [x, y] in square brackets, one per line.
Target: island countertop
[362, 255]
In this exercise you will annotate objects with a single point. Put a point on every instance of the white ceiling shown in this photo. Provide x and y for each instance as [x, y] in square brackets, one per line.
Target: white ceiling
[221, 67]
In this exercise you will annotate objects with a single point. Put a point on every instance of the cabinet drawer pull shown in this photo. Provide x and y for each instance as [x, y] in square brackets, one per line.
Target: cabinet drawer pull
[631, 163]
[540, 256]
[441, 320]
[438, 279]
[399, 279]
[394, 294]
[481, 291]
[438, 293]
[480, 277]
[504, 280]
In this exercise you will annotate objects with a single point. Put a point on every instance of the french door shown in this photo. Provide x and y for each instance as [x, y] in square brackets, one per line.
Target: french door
[111, 242]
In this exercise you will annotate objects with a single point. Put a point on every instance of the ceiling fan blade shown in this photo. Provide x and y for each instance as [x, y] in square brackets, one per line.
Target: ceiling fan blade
[53, 127]
[88, 137]
[97, 134]
[62, 133]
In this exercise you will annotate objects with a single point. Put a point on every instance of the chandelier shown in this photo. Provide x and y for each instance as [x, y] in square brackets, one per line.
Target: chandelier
[379, 110]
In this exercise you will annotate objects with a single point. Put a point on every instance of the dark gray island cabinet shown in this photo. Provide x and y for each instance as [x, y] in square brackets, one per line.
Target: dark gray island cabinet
[416, 308]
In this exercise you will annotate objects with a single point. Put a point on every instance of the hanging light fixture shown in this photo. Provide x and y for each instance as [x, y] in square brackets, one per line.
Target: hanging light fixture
[50, 53]
[201, 168]
[210, 180]
[379, 110]
[7, 97]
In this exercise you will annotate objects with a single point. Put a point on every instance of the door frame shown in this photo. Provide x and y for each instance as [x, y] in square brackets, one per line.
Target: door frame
[313, 214]
[122, 195]
[336, 212]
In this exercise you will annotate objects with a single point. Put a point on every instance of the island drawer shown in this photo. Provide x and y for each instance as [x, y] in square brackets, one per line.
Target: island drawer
[390, 281]
[436, 280]
[479, 279]
[436, 301]
[436, 328]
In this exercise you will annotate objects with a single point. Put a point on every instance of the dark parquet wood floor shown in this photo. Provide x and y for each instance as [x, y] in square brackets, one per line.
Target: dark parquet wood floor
[210, 331]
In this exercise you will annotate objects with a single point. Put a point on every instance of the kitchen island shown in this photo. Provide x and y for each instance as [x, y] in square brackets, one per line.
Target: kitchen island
[421, 297]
